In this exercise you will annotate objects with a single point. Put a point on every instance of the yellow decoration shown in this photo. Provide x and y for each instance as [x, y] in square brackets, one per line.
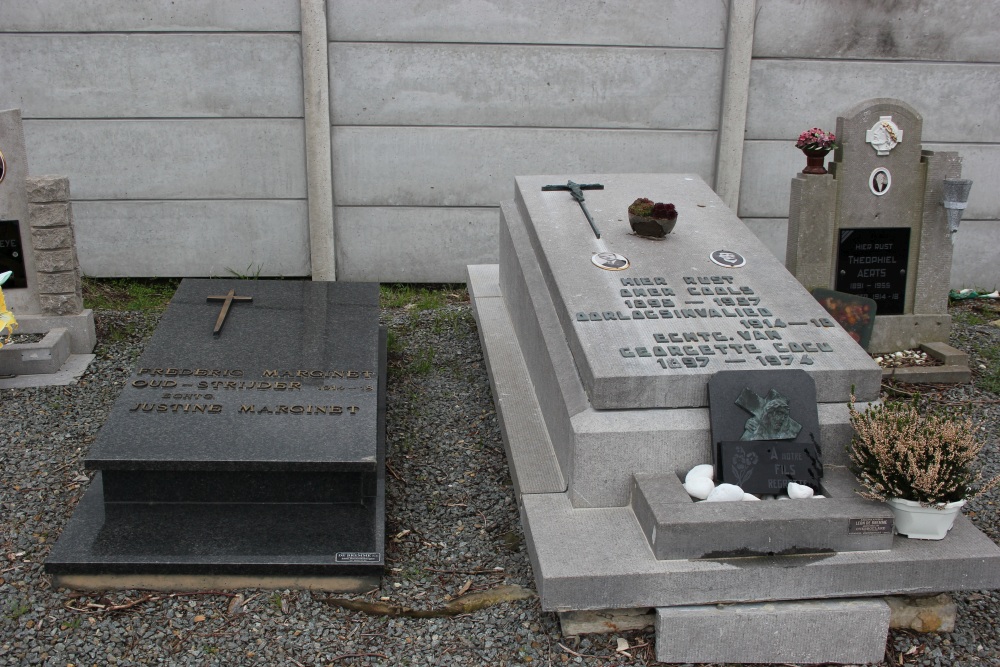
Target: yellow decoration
[7, 321]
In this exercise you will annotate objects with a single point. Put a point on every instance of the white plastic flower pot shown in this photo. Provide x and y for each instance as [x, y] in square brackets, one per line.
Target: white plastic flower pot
[923, 523]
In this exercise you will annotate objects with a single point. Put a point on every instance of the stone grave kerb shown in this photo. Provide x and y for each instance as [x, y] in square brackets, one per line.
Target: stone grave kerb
[880, 179]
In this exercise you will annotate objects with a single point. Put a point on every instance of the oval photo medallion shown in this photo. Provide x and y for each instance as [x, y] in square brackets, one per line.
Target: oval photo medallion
[880, 181]
[610, 261]
[3, 167]
[728, 259]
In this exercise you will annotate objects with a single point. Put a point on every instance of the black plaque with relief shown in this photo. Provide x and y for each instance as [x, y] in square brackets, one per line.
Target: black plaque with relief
[12, 254]
[872, 262]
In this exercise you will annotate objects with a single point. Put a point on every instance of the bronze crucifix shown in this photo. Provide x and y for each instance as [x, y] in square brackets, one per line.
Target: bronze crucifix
[227, 301]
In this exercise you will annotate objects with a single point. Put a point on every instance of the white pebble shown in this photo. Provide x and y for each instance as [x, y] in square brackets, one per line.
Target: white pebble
[725, 493]
[899, 354]
[799, 491]
[703, 470]
[699, 487]
[819, 495]
[878, 360]
[750, 496]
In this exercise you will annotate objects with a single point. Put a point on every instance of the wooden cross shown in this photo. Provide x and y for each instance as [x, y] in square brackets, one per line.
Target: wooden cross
[576, 189]
[227, 301]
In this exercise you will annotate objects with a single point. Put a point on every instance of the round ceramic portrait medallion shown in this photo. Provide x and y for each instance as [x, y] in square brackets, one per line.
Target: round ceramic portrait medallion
[610, 261]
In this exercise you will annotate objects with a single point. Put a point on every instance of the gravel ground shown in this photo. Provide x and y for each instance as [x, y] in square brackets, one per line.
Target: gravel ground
[452, 524]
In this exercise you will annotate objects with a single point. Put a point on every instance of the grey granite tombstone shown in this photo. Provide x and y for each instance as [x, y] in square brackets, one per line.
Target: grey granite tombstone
[600, 353]
[252, 454]
[44, 291]
[875, 226]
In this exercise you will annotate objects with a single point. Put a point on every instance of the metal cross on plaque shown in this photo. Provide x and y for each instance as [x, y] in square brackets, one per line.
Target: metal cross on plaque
[227, 301]
[576, 189]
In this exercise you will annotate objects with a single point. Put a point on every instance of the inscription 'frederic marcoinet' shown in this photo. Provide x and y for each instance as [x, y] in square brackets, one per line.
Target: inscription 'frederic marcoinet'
[343, 374]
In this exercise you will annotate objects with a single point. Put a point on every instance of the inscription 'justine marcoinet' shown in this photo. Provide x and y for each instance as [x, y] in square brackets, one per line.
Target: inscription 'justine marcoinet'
[252, 409]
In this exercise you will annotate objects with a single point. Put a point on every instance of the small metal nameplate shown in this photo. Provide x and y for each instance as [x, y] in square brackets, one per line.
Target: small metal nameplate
[358, 557]
[874, 526]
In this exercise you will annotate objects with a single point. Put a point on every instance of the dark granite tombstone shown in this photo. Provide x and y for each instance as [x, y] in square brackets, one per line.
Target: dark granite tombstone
[253, 454]
[765, 429]
[12, 254]
[873, 263]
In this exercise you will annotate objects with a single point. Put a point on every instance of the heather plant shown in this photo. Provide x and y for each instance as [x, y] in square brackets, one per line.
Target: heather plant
[898, 453]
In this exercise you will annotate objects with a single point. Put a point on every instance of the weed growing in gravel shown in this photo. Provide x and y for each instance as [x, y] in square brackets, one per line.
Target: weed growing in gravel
[17, 609]
[275, 600]
[71, 624]
[423, 362]
[148, 294]
[969, 317]
[421, 297]
[249, 273]
[990, 379]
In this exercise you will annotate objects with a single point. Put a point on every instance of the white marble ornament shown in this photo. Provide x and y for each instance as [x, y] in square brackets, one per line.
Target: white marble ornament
[799, 491]
[699, 487]
[750, 496]
[725, 493]
[703, 470]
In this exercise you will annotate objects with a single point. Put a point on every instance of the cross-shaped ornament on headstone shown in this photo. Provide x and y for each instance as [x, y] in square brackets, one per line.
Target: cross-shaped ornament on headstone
[576, 189]
[227, 301]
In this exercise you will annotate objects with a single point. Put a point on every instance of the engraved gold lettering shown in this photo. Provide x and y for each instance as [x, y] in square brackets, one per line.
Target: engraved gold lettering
[270, 374]
[246, 408]
[352, 409]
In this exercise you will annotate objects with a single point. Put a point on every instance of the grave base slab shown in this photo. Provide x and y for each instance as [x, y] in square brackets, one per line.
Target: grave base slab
[174, 545]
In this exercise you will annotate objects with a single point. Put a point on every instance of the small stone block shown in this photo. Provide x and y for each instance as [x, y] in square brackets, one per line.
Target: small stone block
[49, 215]
[604, 621]
[45, 189]
[819, 631]
[935, 613]
[929, 374]
[61, 304]
[946, 354]
[52, 261]
[52, 238]
[64, 282]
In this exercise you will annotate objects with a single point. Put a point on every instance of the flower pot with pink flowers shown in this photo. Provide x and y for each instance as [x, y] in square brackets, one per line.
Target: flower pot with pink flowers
[816, 144]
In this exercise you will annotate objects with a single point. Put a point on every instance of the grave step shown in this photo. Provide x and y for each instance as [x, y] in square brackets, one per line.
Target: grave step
[110, 544]
[677, 527]
[237, 486]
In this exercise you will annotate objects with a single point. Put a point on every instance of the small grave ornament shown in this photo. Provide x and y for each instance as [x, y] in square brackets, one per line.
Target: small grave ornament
[770, 420]
[884, 135]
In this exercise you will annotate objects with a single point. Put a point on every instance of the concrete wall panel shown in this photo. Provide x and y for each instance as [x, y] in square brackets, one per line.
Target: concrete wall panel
[171, 159]
[542, 86]
[121, 76]
[956, 30]
[773, 232]
[403, 244]
[640, 22]
[957, 101]
[770, 166]
[977, 246]
[411, 166]
[148, 15]
[154, 238]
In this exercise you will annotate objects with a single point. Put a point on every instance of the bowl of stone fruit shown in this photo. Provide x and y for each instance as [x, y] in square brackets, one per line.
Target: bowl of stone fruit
[651, 219]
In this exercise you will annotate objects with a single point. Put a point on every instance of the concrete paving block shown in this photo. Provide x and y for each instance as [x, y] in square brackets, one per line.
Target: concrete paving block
[71, 371]
[932, 374]
[783, 632]
[47, 189]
